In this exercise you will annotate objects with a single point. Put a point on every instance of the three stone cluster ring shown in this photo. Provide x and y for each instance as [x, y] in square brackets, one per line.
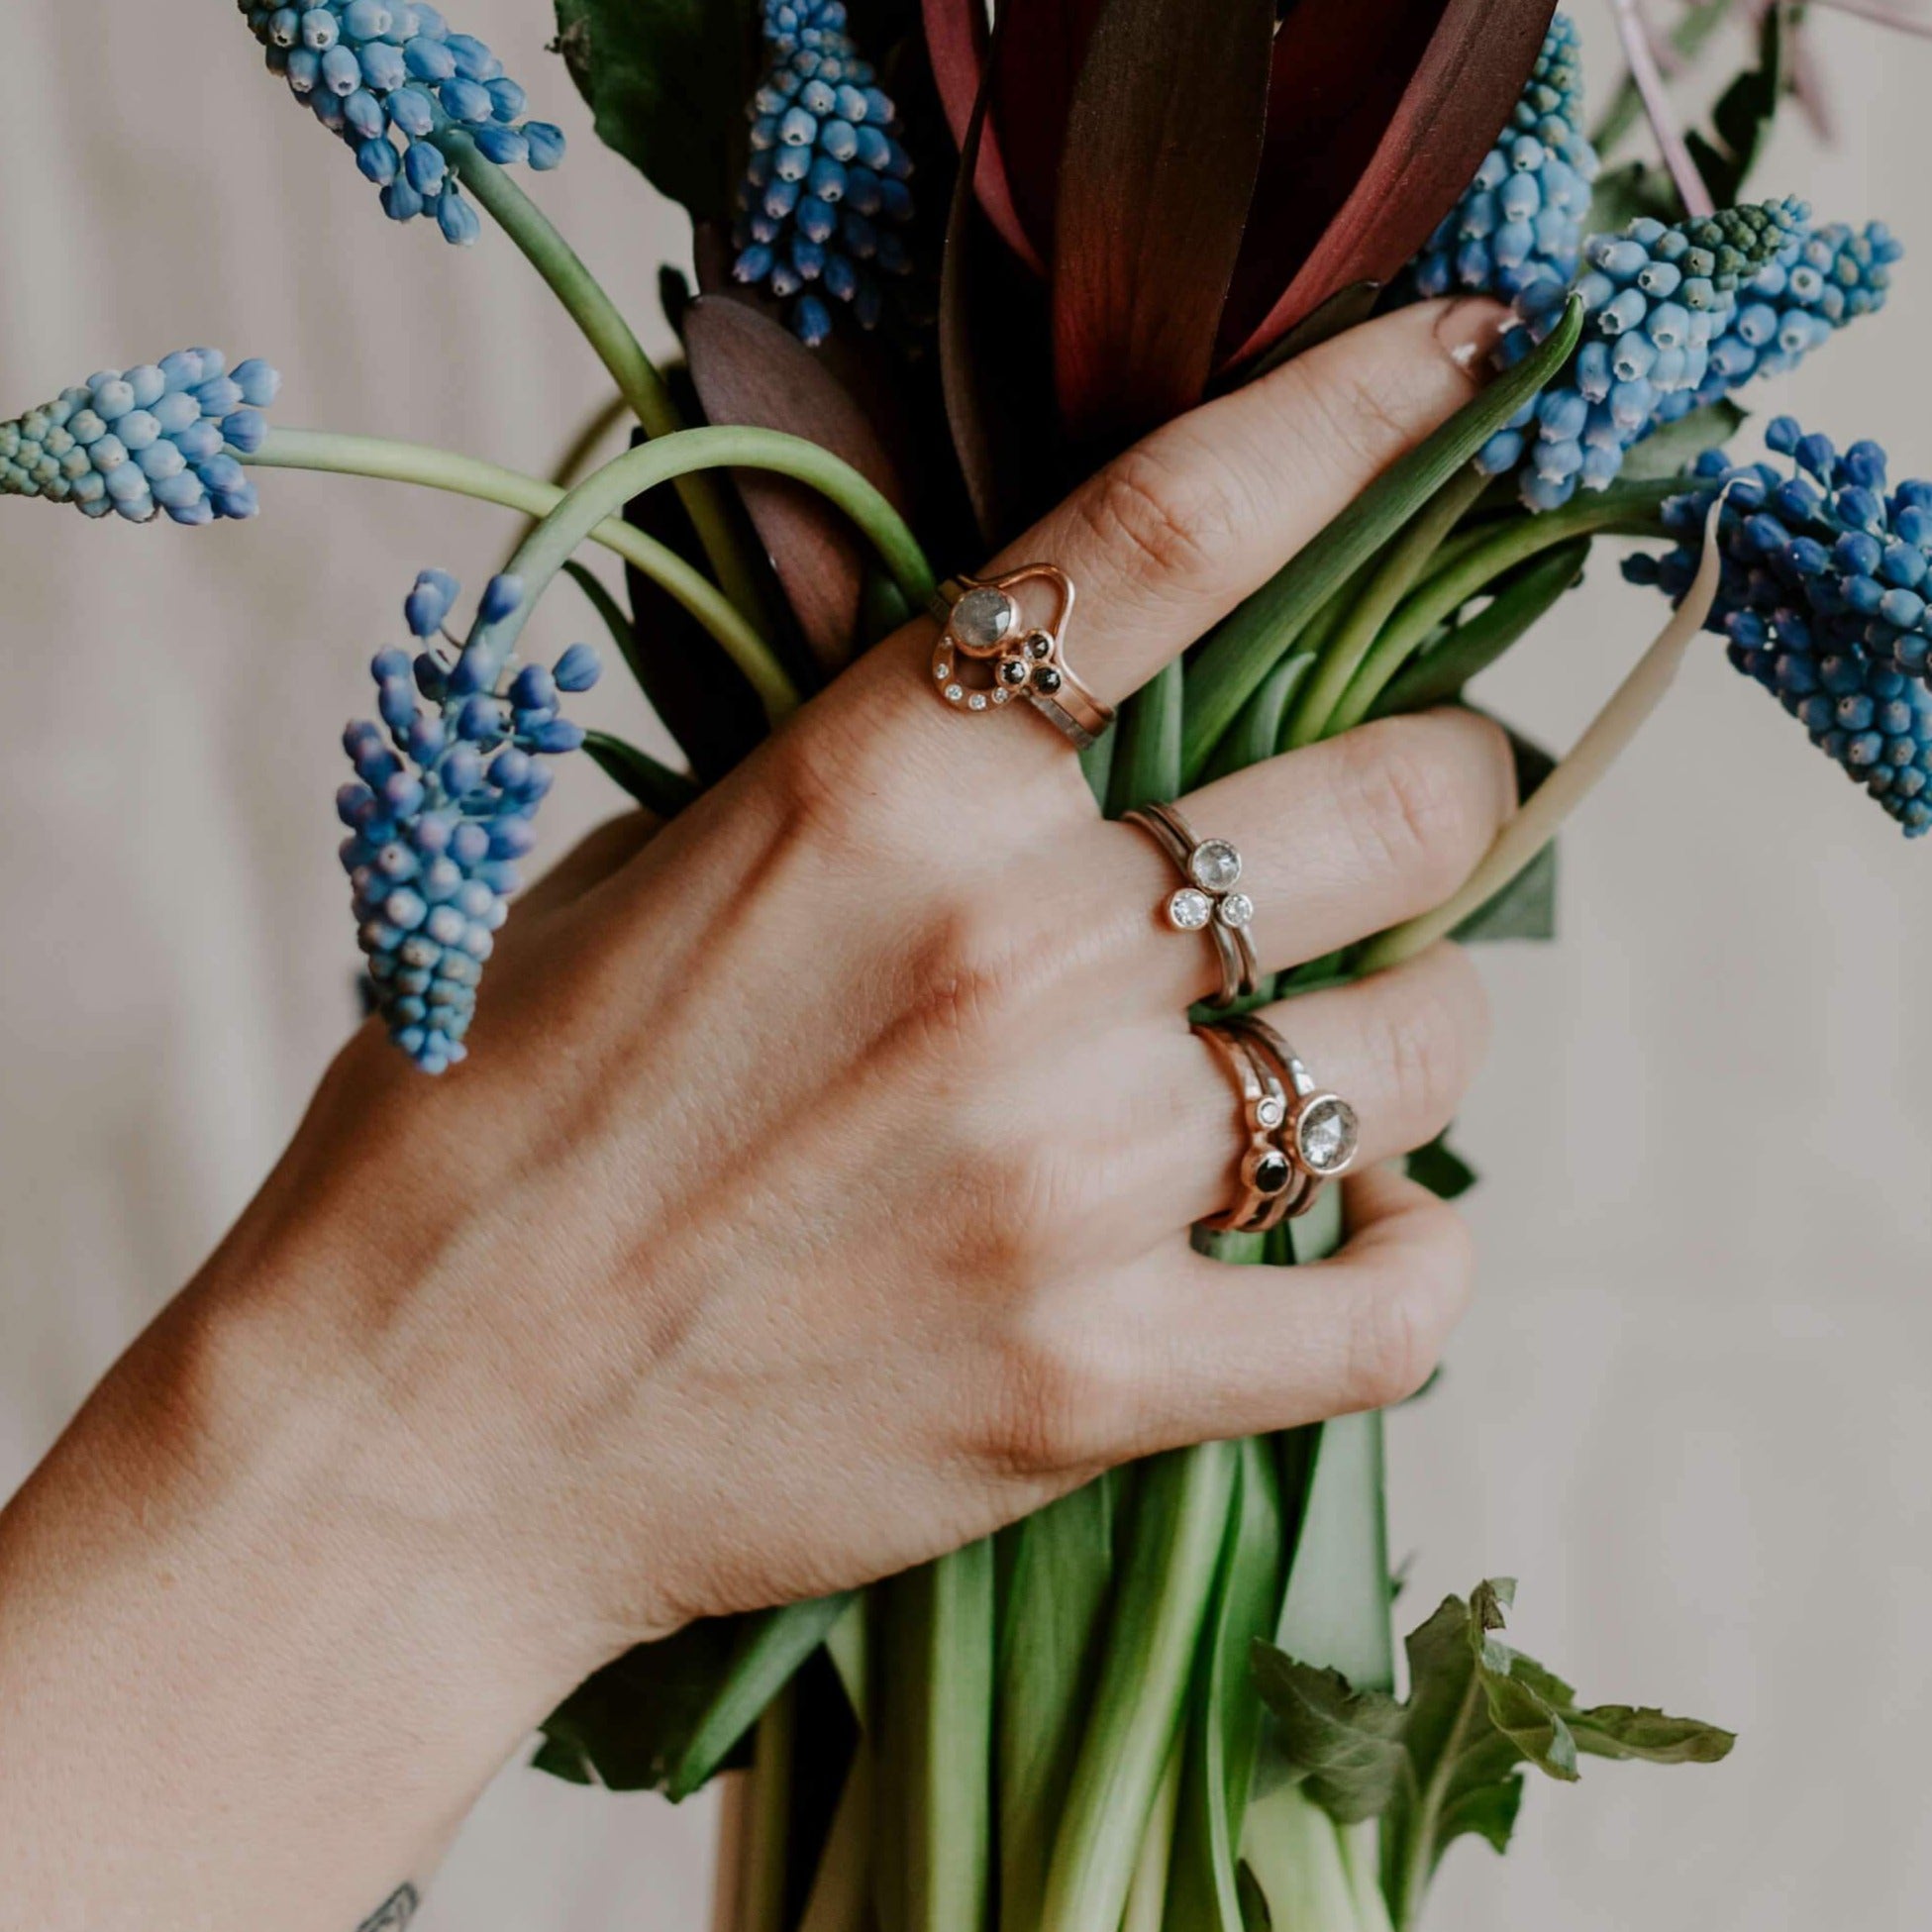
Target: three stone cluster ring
[1208, 898]
[990, 650]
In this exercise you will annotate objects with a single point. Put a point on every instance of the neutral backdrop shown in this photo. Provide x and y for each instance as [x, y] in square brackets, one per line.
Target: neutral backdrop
[1689, 1409]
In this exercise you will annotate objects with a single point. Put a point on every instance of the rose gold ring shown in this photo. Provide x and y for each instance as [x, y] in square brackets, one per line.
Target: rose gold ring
[984, 627]
[1207, 900]
[1320, 1132]
[1272, 1185]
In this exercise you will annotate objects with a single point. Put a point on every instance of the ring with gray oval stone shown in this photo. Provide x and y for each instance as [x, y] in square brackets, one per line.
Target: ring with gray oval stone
[984, 628]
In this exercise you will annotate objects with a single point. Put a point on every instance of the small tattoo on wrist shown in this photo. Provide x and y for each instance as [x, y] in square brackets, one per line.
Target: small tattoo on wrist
[394, 1912]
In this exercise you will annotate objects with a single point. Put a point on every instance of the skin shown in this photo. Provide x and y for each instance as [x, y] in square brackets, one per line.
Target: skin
[815, 1200]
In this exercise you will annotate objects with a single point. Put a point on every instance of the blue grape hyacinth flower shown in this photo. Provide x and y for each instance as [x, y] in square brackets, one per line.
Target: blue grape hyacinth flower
[441, 810]
[824, 195]
[1655, 299]
[164, 436]
[1521, 219]
[1822, 601]
[386, 75]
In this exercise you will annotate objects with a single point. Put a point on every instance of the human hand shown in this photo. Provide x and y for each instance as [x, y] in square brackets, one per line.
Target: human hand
[817, 1197]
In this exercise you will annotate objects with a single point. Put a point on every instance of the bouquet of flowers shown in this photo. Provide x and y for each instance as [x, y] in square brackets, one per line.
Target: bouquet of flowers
[948, 257]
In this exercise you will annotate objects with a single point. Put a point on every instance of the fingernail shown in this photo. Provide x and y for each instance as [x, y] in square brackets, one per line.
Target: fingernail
[1468, 330]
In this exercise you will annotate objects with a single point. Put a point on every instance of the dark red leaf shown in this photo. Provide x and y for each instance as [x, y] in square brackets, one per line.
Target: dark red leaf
[1379, 115]
[751, 370]
[956, 45]
[1163, 144]
[1037, 67]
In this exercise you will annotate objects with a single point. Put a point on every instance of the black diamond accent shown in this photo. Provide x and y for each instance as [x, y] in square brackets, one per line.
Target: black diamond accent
[1272, 1173]
[1046, 678]
[1012, 671]
[1039, 646]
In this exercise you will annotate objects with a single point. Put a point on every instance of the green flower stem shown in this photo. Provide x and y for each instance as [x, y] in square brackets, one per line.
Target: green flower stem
[841, 1897]
[618, 349]
[1406, 559]
[761, 1873]
[445, 469]
[570, 467]
[603, 493]
[1631, 512]
[1574, 780]
[1167, 1586]
[1147, 1897]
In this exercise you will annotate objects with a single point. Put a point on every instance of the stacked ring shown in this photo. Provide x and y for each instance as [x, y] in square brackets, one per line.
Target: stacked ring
[1272, 1185]
[980, 622]
[1207, 900]
[1321, 1133]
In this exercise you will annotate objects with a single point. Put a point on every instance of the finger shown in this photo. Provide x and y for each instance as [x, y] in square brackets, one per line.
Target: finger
[1183, 1349]
[1402, 1049]
[1335, 843]
[1172, 535]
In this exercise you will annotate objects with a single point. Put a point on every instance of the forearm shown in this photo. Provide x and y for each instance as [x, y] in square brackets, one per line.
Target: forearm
[232, 1694]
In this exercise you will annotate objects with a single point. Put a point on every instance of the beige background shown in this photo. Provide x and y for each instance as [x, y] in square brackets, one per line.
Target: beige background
[1689, 1409]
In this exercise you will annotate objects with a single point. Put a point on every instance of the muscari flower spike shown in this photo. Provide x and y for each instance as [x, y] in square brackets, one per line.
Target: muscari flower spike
[1655, 299]
[442, 809]
[1822, 600]
[388, 74]
[825, 191]
[1521, 219]
[165, 436]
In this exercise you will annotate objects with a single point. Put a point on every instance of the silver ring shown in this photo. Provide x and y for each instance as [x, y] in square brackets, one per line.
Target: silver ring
[1209, 898]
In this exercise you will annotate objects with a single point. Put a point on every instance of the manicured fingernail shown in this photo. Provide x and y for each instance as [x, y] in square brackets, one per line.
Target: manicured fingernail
[1469, 330]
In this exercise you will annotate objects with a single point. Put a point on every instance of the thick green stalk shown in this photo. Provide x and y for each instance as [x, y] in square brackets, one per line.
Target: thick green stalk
[1179, 1523]
[762, 1871]
[1406, 559]
[487, 482]
[1575, 778]
[933, 1837]
[617, 348]
[1146, 1896]
[841, 1897]
[604, 492]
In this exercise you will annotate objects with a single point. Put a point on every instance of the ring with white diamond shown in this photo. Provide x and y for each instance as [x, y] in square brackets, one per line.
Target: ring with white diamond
[1321, 1133]
[982, 625]
[1208, 899]
[1272, 1183]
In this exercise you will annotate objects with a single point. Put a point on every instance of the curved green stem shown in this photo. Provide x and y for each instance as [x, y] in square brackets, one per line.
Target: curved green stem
[1407, 559]
[603, 493]
[618, 349]
[488, 483]
[1476, 564]
[1574, 780]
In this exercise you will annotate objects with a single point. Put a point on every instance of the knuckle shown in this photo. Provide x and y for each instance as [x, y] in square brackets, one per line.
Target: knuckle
[1413, 808]
[1399, 1331]
[1165, 513]
[1352, 422]
[1058, 1405]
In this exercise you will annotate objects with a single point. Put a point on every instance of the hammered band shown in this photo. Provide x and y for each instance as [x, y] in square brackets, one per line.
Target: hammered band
[981, 624]
[1207, 900]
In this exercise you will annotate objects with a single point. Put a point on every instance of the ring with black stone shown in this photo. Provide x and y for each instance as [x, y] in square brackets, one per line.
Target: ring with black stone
[1208, 898]
[1320, 1133]
[981, 624]
[1271, 1184]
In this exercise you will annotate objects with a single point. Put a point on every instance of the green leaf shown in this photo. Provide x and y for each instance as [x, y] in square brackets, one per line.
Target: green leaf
[1237, 658]
[1059, 1568]
[1147, 744]
[656, 787]
[666, 82]
[1743, 116]
[1441, 1169]
[1224, 1724]
[1525, 908]
[1445, 1763]
[1664, 452]
[1622, 194]
[667, 1716]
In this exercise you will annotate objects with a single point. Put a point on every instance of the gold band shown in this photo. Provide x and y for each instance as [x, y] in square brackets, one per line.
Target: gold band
[1319, 1133]
[1271, 1184]
[1207, 900]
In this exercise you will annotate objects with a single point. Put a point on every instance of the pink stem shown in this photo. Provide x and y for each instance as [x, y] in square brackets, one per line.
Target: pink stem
[1884, 16]
[1642, 57]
